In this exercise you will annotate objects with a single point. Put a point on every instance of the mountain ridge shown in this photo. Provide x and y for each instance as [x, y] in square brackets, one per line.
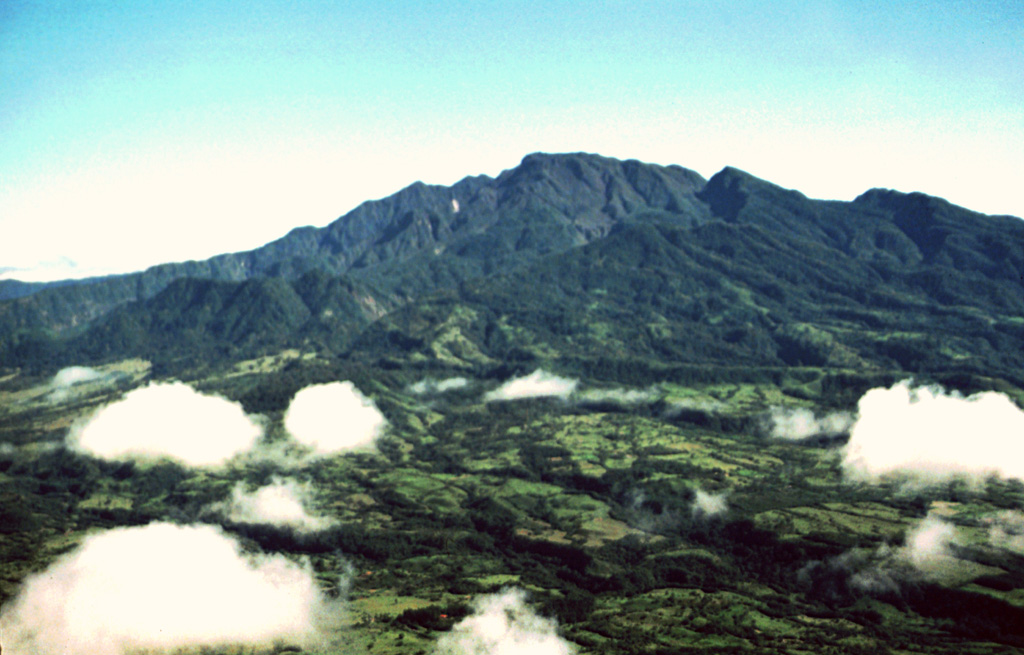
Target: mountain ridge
[782, 259]
[630, 390]
[415, 218]
[278, 257]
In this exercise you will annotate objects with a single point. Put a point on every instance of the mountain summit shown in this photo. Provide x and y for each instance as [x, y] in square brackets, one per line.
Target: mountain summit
[582, 256]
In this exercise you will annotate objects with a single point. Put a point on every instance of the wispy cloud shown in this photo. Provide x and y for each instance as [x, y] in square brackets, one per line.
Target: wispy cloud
[678, 406]
[797, 423]
[539, 384]
[503, 624]
[928, 553]
[1006, 530]
[618, 397]
[284, 502]
[47, 270]
[67, 380]
[706, 505]
[927, 546]
[432, 386]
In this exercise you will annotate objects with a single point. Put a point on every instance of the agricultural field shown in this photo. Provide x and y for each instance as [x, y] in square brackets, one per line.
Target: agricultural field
[662, 518]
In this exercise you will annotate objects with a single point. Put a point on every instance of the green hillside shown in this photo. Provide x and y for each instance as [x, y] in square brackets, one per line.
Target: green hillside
[684, 480]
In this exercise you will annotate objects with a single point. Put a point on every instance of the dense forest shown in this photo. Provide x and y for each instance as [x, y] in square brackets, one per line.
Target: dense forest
[610, 406]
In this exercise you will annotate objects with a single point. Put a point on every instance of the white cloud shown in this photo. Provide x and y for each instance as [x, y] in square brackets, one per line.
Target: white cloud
[44, 270]
[926, 554]
[708, 505]
[281, 503]
[168, 420]
[63, 383]
[622, 397]
[927, 546]
[538, 384]
[680, 405]
[333, 417]
[877, 574]
[73, 375]
[795, 423]
[1006, 530]
[503, 624]
[161, 587]
[431, 386]
[929, 435]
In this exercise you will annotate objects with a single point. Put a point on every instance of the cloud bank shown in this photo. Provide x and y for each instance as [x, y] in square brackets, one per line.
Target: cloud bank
[168, 420]
[282, 503]
[503, 624]
[159, 588]
[796, 423]
[431, 386]
[931, 436]
[333, 417]
[539, 384]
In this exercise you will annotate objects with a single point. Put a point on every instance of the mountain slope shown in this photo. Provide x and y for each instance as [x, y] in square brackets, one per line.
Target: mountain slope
[707, 470]
[548, 203]
[774, 280]
[195, 320]
[585, 258]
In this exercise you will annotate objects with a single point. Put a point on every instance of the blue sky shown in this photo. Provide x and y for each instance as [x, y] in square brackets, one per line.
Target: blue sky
[133, 133]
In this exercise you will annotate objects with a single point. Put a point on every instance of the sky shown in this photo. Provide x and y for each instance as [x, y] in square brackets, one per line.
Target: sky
[134, 133]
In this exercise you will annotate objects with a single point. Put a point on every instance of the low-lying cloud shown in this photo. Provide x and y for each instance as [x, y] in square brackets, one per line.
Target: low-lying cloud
[650, 515]
[430, 386]
[618, 397]
[503, 624]
[678, 406]
[539, 384]
[927, 546]
[928, 553]
[797, 423]
[170, 420]
[283, 503]
[930, 435]
[333, 417]
[1006, 530]
[162, 587]
[64, 383]
[706, 505]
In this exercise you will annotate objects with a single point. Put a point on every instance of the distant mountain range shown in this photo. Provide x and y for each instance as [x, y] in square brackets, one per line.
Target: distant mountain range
[580, 258]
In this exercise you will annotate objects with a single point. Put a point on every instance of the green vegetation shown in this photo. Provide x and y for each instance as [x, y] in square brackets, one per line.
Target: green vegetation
[588, 511]
[713, 302]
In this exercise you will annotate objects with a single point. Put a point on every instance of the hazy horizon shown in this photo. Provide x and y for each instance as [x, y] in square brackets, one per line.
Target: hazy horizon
[137, 136]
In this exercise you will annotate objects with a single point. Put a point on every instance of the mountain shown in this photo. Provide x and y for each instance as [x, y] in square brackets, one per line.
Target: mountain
[585, 258]
[193, 318]
[625, 390]
[548, 203]
[776, 293]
